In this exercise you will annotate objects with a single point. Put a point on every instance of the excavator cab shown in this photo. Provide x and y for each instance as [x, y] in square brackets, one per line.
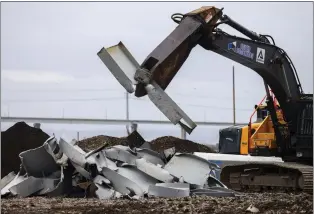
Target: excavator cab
[261, 112]
[235, 139]
[257, 138]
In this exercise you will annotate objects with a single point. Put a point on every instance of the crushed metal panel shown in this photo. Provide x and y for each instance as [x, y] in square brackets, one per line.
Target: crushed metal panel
[96, 150]
[49, 186]
[40, 186]
[193, 169]
[175, 185]
[101, 180]
[142, 179]
[135, 140]
[52, 142]
[74, 153]
[146, 145]
[38, 162]
[27, 187]
[63, 185]
[121, 64]
[121, 153]
[52, 147]
[154, 171]
[169, 152]
[63, 160]
[150, 155]
[121, 183]
[161, 191]
[32, 185]
[101, 161]
[126, 148]
[7, 179]
[82, 171]
[195, 186]
[168, 107]
[18, 179]
[103, 191]
[214, 182]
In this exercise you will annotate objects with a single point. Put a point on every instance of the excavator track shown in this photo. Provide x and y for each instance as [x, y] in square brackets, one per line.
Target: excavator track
[268, 177]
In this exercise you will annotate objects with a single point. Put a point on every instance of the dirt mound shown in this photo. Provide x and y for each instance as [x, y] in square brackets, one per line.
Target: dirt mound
[92, 143]
[266, 203]
[159, 144]
[183, 146]
[16, 139]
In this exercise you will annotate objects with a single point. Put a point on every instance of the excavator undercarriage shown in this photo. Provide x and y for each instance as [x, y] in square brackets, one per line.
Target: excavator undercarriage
[256, 177]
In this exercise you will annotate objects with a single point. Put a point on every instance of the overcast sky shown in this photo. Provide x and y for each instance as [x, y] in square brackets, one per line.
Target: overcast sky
[50, 67]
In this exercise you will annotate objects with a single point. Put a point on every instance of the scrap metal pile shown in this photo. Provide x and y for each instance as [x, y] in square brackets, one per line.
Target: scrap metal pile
[135, 171]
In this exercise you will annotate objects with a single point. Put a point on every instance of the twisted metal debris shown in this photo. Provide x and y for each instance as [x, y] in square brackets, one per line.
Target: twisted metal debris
[63, 168]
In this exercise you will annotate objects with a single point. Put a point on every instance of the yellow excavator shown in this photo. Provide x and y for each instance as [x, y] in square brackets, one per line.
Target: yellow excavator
[257, 138]
[294, 137]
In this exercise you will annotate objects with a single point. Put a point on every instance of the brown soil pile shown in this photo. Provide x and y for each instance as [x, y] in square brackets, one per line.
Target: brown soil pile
[266, 203]
[159, 144]
[16, 139]
[92, 143]
[183, 146]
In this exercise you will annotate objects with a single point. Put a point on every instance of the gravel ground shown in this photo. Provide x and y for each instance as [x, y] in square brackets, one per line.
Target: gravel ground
[270, 203]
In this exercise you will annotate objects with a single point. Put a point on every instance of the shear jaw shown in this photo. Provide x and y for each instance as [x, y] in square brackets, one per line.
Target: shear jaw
[123, 66]
[143, 76]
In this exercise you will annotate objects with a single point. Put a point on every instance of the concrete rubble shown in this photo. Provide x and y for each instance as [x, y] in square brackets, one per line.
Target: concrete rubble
[61, 168]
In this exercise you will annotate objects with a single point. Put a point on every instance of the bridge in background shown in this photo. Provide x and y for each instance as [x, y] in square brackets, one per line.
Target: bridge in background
[107, 121]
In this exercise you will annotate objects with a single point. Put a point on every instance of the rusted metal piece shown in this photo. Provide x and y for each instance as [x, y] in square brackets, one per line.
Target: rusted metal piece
[207, 13]
[164, 62]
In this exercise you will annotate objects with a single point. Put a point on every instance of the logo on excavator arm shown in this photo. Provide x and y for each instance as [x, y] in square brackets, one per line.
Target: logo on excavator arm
[232, 46]
[260, 55]
[243, 50]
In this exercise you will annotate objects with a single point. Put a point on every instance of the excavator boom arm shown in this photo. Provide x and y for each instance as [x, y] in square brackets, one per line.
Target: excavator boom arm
[200, 27]
[265, 59]
[269, 61]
